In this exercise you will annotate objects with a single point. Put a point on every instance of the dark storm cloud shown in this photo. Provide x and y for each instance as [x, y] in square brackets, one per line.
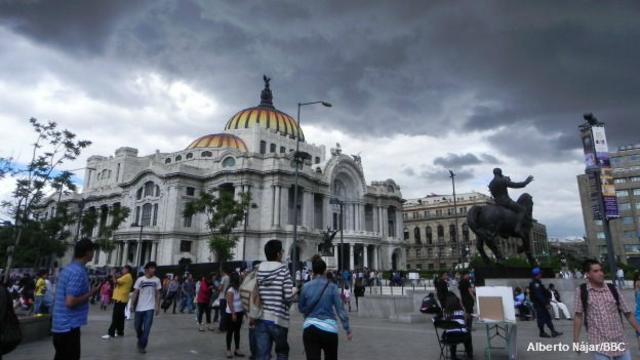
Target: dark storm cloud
[456, 161]
[388, 67]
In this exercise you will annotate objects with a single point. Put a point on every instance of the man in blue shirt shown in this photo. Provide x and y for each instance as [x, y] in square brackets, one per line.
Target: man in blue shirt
[72, 303]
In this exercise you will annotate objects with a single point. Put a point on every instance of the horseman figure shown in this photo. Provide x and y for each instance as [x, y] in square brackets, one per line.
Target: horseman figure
[506, 218]
[499, 190]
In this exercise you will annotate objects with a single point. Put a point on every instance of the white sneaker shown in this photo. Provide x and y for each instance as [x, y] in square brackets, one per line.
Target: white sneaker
[106, 337]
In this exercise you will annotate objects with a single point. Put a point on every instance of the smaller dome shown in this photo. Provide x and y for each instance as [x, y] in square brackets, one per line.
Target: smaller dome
[218, 141]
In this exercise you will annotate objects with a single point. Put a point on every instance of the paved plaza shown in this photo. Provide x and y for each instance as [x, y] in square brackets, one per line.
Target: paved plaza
[177, 337]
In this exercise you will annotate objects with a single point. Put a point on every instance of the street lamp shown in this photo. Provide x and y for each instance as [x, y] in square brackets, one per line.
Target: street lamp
[452, 175]
[297, 156]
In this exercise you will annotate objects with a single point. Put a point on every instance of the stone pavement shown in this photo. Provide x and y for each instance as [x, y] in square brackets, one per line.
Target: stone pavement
[177, 337]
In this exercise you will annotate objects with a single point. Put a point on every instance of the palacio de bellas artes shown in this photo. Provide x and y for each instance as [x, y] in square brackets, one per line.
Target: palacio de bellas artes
[208, 179]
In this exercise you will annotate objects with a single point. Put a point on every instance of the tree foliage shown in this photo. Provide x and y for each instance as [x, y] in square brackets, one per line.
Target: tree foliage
[104, 241]
[222, 216]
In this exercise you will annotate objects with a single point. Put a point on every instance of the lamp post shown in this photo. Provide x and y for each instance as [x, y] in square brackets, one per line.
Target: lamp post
[244, 236]
[297, 161]
[452, 175]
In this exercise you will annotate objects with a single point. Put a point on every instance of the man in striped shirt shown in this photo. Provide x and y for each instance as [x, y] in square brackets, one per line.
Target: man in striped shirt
[276, 295]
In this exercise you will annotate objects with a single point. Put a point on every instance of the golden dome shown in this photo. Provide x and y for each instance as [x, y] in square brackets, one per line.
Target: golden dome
[266, 116]
[219, 141]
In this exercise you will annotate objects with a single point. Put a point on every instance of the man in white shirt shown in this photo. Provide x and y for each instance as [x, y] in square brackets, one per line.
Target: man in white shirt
[146, 298]
[620, 277]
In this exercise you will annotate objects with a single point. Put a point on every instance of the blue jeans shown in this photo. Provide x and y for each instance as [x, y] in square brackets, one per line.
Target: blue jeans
[187, 302]
[266, 334]
[37, 303]
[142, 323]
[625, 356]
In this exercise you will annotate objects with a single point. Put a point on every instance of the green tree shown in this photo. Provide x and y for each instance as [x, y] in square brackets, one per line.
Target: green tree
[52, 148]
[104, 241]
[223, 214]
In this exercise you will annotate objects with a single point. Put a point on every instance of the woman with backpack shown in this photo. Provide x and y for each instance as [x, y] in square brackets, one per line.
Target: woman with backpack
[234, 314]
[320, 302]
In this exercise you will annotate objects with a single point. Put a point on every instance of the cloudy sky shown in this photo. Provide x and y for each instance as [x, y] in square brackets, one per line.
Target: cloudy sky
[417, 87]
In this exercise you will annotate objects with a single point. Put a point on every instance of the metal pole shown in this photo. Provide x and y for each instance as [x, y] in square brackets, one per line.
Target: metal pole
[342, 238]
[455, 214]
[294, 251]
[244, 240]
[139, 247]
[607, 231]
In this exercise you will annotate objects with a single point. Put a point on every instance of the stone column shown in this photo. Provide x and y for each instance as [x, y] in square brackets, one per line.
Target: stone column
[125, 253]
[376, 263]
[284, 206]
[335, 256]
[138, 253]
[308, 212]
[351, 256]
[154, 251]
[278, 202]
[365, 255]
[327, 216]
[385, 223]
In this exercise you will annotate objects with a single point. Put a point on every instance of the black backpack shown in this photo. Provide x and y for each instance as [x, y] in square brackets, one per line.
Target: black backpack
[10, 334]
[584, 297]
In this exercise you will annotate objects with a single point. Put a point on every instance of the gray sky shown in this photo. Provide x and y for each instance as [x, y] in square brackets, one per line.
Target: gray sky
[417, 87]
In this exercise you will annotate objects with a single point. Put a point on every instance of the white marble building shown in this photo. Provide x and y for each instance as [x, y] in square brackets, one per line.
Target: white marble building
[254, 154]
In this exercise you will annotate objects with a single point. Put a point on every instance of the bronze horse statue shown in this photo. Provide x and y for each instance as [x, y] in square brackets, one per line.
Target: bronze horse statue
[490, 221]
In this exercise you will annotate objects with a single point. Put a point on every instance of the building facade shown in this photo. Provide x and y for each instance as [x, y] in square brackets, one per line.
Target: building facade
[625, 231]
[254, 154]
[432, 225]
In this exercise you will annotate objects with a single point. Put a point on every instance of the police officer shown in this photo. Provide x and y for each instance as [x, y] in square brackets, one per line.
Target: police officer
[541, 299]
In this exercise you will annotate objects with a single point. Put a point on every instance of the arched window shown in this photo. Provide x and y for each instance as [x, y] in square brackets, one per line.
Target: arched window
[148, 188]
[206, 154]
[440, 233]
[157, 190]
[139, 194]
[452, 233]
[189, 156]
[146, 214]
[465, 232]
[179, 157]
[429, 235]
[228, 162]
[167, 161]
[406, 234]
[416, 235]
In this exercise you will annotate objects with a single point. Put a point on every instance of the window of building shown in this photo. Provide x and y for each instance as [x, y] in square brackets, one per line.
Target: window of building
[426, 213]
[414, 215]
[419, 266]
[118, 172]
[206, 154]
[155, 215]
[228, 162]
[418, 252]
[429, 252]
[440, 233]
[187, 221]
[622, 193]
[416, 235]
[636, 192]
[439, 212]
[139, 194]
[263, 147]
[283, 150]
[637, 206]
[189, 156]
[146, 214]
[149, 186]
[191, 191]
[408, 266]
[157, 190]
[179, 157]
[634, 248]
[430, 266]
[452, 233]
[167, 161]
[620, 180]
[406, 234]
[429, 235]
[465, 232]
[449, 211]
[627, 220]
[635, 179]
[185, 246]
[317, 160]
[598, 222]
[600, 235]
[626, 206]
[137, 222]
[629, 234]
[272, 148]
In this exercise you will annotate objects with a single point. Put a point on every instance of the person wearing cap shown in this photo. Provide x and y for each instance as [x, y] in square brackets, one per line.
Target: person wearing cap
[541, 300]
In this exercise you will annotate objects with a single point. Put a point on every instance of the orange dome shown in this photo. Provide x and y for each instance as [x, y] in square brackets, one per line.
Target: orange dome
[219, 141]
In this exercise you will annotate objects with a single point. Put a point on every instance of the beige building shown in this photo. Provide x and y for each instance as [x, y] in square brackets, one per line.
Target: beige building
[430, 231]
[624, 230]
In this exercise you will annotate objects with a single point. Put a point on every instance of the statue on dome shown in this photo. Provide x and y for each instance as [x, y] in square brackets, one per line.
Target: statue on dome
[266, 81]
[266, 97]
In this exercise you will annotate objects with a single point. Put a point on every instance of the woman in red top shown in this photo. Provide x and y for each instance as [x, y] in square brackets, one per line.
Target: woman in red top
[203, 299]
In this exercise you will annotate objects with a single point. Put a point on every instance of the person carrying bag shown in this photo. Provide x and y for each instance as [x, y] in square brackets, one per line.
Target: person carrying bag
[320, 303]
[10, 334]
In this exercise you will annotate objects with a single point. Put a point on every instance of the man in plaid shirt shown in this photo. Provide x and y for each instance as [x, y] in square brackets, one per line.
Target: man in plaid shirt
[604, 317]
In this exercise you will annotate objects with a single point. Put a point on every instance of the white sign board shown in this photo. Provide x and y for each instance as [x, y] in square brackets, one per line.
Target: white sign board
[504, 292]
[413, 276]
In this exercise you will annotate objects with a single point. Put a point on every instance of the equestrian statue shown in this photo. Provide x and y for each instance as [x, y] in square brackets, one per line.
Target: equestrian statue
[506, 218]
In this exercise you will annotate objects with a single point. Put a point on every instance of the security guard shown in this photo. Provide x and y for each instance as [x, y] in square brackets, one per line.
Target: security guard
[541, 299]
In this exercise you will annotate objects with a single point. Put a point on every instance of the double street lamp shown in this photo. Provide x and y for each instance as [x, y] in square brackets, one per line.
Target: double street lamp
[335, 201]
[458, 246]
[298, 158]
